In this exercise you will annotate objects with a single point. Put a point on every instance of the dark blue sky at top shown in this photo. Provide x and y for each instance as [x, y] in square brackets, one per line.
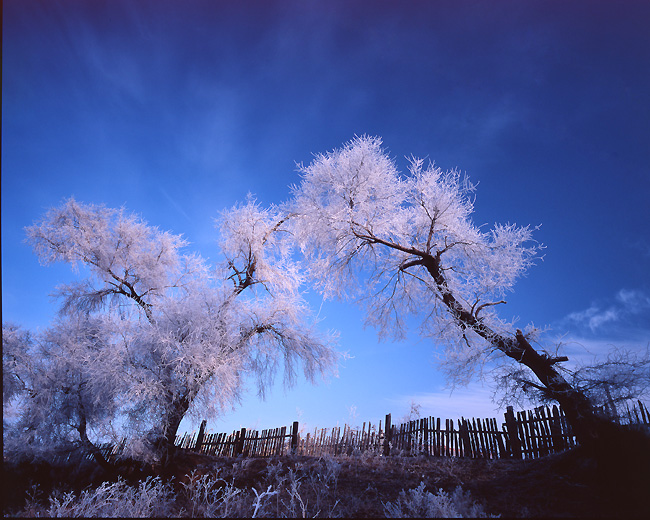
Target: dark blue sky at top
[177, 110]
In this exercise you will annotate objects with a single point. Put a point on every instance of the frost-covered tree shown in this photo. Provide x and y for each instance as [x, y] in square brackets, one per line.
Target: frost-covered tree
[166, 334]
[59, 387]
[406, 246]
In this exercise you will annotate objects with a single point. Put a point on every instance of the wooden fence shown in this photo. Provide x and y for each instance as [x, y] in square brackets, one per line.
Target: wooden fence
[526, 434]
[249, 443]
[108, 450]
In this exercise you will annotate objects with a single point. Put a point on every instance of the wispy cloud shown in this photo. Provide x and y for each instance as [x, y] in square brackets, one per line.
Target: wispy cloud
[633, 299]
[627, 305]
[595, 317]
[620, 322]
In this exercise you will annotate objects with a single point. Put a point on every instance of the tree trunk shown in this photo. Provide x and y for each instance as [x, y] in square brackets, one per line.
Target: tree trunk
[166, 444]
[88, 445]
[586, 424]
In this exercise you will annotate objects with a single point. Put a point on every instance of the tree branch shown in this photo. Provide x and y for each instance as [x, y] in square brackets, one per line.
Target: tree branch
[481, 307]
[405, 265]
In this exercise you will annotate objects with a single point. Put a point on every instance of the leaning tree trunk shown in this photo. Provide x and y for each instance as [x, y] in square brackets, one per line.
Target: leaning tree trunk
[586, 424]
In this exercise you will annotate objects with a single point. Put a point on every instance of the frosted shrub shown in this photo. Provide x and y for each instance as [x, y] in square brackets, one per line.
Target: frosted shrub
[212, 497]
[323, 480]
[209, 498]
[296, 507]
[261, 499]
[330, 470]
[151, 498]
[418, 503]
[274, 472]
[374, 452]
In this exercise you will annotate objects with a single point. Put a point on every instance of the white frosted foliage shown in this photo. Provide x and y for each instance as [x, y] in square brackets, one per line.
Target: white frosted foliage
[153, 333]
[369, 232]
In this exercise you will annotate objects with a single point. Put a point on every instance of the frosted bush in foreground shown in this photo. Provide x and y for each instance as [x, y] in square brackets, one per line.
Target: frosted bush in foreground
[151, 498]
[294, 488]
[418, 503]
[211, 497]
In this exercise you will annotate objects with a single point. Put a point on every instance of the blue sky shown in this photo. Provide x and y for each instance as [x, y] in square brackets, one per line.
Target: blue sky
[178, 109]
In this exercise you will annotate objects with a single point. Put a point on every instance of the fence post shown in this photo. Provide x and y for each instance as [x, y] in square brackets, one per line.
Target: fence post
[199, 437]
[500, 443]
[387, 436]
[294, 438]
[425, 425]
[511, 424]
[644, 413]
[463, 434]
[239, 448]
[556, 431]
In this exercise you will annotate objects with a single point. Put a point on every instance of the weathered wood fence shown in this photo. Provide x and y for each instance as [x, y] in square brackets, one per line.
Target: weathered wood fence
[250, 443]
[526, 434]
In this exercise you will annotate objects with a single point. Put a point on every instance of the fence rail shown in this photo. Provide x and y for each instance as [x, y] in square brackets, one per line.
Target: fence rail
[525, 434]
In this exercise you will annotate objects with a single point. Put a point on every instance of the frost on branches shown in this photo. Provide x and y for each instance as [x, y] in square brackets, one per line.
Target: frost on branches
[410, 246]
[406, 245]
[151, 334]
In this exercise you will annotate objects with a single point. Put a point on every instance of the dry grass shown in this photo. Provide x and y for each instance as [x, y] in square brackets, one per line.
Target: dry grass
[564, 485]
